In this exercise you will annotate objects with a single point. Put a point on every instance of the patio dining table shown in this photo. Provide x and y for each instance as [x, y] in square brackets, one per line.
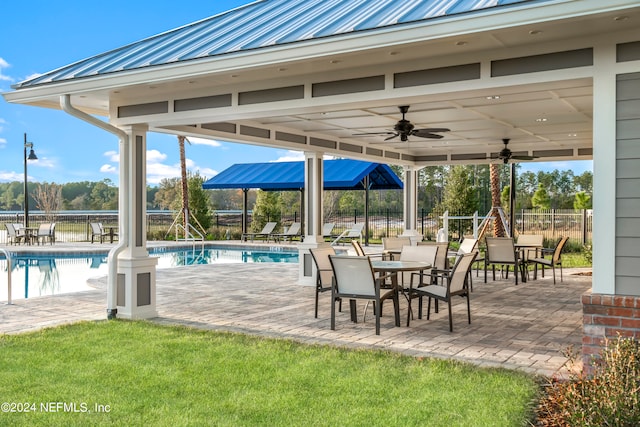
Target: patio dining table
[387, 266]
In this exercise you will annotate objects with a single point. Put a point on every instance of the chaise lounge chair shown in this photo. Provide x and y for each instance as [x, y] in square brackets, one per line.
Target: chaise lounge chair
[355, 232]
[266, 232]
[293, 232]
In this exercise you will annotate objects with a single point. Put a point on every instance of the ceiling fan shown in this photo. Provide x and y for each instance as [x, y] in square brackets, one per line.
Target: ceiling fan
[404, 129]
[506, 154]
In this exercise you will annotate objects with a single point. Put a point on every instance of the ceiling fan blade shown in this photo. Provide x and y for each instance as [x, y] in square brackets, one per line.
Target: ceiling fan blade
[374, 133]
[523, 157]
[395, 135]
[433, 130]
[429, 132]
[428, 135]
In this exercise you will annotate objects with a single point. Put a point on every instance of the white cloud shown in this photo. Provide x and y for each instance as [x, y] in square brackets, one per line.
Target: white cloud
[112, 155]
[204, 141]
[108, 169]
[11, 176]
[154, 156]
[156, 169]
[207, 172]
[290, 156]
[4, 64]
[43, 162]
[2, 140]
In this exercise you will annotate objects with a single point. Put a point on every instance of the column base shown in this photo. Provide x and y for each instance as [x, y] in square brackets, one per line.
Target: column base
[307, 270]
[136, 288]
[604, 318]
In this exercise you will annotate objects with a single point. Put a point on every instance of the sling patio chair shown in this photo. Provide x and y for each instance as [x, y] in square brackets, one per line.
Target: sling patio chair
[501, 251]
[265, 233]
[46, 231]
[97, 230]
[441, 260]
[552, 262]
[455, 283]
[293, 232]
[355, 232]
[354, 279]
[324, 271]
[327, 230]
[14, 234]
[392, 246]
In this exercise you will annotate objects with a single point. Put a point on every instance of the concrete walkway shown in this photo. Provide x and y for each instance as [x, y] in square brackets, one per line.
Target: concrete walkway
[526, 327]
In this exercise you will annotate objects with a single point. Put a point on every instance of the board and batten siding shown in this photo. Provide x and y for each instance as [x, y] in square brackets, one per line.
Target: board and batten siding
[627, 227]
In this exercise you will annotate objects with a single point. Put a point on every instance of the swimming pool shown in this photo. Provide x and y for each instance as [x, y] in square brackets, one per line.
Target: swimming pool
[57, 273]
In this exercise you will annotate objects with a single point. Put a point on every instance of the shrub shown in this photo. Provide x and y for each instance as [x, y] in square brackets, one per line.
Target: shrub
[588, 253]
[610, 397]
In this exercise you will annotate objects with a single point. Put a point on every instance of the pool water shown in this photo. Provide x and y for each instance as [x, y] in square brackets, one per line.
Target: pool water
[51, 274]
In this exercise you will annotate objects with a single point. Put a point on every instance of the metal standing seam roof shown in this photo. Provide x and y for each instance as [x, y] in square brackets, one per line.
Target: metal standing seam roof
[262, 24]
[343, 174]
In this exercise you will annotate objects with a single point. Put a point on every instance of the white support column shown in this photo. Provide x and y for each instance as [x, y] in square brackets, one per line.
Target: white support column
[410, 194]
[136, 290]
[313, 215]
[604, 170]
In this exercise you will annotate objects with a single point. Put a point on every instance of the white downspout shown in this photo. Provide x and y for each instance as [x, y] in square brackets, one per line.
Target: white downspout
[123, 203]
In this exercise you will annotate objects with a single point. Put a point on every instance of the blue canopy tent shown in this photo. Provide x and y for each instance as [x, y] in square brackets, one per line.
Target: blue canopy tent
[343, 174]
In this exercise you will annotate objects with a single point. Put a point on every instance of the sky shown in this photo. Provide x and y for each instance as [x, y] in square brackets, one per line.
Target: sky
[51, 34]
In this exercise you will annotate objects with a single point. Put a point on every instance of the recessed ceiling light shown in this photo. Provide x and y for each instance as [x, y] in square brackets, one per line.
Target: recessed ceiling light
[493, 97]
[541, 119]
[573, 135]
[621, 18]
[535, 32]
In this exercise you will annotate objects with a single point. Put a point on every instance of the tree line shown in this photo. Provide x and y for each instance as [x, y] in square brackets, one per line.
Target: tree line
[459, 188]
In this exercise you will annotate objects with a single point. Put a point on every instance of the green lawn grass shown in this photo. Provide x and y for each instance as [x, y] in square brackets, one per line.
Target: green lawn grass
[144, 374]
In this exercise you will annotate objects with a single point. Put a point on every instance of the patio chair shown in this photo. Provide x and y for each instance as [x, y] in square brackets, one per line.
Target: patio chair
[455, 284]
[394, 244]
[530, 245]
[441, 260]
[355, 232]
[266, 232]
[14, 235]
[327, 230]
[357, 247]
[501, 251]
[290, 233]
[324, 273]
[422, 253]
[97, 231]
[555, 259]
[354, 279]
[467, 246]
[46, 231]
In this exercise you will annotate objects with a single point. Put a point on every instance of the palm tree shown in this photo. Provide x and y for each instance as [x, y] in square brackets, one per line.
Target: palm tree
[494, 175]
[185, 188]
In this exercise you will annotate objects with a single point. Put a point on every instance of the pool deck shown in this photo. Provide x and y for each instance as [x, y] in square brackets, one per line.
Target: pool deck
[528, 327]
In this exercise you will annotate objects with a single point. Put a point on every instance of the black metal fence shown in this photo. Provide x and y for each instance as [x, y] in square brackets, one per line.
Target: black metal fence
[74, 227]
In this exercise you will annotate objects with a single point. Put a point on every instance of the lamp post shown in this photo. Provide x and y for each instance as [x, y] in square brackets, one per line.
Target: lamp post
[32, 156]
